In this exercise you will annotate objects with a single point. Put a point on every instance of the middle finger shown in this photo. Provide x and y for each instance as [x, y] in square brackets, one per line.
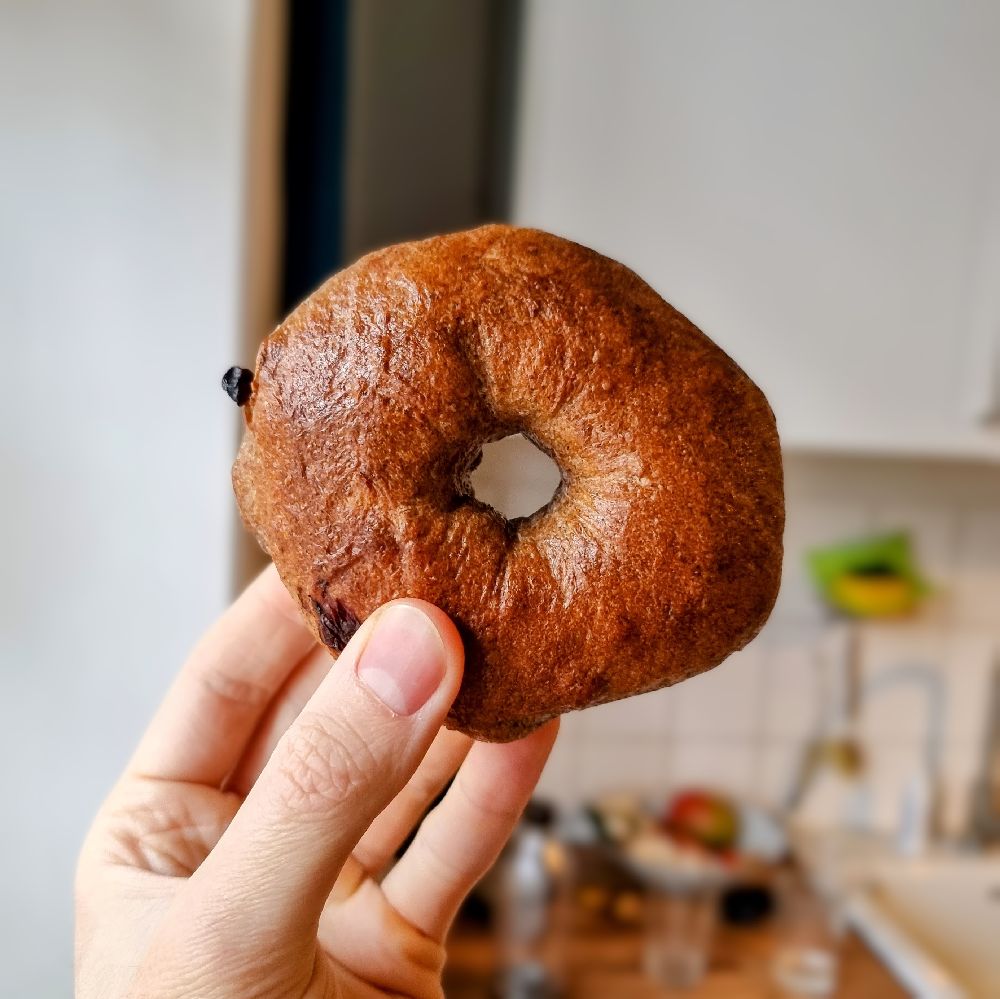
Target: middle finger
[391, 827]
[284, 709]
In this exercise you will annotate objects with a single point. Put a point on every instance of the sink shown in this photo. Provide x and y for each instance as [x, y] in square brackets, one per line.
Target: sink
[935, 922]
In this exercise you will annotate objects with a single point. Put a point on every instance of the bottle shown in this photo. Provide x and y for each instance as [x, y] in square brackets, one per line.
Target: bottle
[532, 909]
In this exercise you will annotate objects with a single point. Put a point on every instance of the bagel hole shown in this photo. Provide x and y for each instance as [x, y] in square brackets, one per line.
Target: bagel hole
[515, 477]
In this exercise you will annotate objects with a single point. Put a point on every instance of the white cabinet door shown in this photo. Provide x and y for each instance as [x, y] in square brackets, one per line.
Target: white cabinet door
[808, 182]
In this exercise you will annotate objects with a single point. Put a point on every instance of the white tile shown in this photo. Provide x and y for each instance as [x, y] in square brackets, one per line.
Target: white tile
[954, 809]
[644, 715]
[977, 585]
[960, 771]
[560, 780]
[607, 765]
[725, 701]
[797, 598]
[792, 692]
[962, 761]
[888, 769]
[572, 723]
[777, 771]
[903, 680]
[895, 713]
[727, 766]
[812, 523]
[971, 660]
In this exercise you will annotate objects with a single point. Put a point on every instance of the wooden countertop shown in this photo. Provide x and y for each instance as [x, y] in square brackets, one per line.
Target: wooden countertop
[605, 963]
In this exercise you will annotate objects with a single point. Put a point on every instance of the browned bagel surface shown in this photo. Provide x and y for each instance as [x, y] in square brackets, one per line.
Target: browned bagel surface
[661, 552]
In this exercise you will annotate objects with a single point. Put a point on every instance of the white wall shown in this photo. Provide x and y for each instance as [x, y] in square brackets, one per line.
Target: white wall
[121, 144]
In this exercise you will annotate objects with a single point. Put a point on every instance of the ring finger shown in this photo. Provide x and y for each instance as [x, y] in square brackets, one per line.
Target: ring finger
[458, 842]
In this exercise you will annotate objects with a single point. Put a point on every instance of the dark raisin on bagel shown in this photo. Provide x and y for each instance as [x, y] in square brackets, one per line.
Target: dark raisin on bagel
[659, 555]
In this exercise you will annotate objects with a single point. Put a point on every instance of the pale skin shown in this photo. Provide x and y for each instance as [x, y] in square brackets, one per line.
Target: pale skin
[248, 848]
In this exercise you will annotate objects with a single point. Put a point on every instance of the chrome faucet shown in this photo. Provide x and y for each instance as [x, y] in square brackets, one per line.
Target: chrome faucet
[921, 814]
[837, 744]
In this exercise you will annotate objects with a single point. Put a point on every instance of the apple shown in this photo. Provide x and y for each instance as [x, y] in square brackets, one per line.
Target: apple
[703, 818]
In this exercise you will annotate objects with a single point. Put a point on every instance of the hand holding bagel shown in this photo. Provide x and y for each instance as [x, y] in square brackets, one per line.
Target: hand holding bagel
[247, 849]
[243, 852]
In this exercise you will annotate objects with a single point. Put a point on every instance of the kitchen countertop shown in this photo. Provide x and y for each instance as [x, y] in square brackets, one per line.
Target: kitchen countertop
[604, 961]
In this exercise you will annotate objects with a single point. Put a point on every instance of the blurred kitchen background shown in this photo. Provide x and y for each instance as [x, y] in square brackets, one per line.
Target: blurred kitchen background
[815, 185]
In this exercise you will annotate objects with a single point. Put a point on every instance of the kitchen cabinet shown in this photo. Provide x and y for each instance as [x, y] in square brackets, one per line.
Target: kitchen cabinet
[816, 185]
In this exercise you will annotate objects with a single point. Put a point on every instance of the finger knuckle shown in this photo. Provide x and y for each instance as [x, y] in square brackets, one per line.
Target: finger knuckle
[423, 788]
[228, 689]
[324, 763]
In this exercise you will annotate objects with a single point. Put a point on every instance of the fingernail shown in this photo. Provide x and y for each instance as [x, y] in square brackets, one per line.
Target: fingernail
[402, 662]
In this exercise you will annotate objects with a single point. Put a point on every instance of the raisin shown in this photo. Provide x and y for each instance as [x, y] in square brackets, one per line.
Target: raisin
[337, 624]
[238, 382]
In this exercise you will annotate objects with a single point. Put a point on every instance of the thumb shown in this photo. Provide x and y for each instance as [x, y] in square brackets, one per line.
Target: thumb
[351, 750]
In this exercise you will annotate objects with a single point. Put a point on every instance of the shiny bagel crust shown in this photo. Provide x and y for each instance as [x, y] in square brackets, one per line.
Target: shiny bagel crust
[660, 553]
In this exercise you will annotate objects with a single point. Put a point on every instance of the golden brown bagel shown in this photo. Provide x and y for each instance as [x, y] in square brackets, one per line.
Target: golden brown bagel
[660, 553]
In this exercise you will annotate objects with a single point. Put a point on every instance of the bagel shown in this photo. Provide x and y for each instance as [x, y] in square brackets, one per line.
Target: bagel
[660, 553]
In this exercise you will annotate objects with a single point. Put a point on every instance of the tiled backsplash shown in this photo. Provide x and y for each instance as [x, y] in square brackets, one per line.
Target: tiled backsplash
[742, 727]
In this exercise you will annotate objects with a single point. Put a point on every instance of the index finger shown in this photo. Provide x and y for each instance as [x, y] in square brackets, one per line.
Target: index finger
[210, 713]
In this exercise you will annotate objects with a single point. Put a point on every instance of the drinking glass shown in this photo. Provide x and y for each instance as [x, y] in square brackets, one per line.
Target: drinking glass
[810, 930]
[679, 926]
